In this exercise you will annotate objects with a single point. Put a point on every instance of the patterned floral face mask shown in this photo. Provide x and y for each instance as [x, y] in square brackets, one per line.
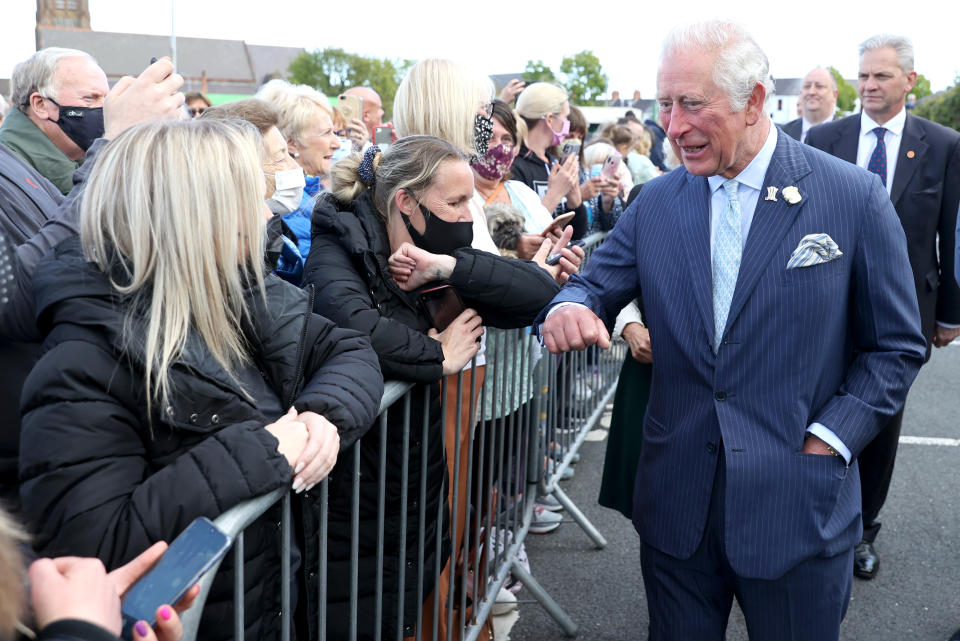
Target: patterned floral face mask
[482, 131]
[495, 163]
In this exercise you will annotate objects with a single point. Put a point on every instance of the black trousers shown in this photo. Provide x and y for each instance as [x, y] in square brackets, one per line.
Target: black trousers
[876, 469]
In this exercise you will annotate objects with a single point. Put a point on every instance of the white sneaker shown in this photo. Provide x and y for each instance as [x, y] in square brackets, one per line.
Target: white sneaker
[549, 503]
[544, 521]
[506, 602]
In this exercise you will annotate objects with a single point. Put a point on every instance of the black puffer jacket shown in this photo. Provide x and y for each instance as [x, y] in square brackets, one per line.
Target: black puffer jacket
[348, 267]
[101, 478]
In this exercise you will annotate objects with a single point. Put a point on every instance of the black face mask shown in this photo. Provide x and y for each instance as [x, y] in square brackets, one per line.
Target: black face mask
[82, 125]
[439, 236]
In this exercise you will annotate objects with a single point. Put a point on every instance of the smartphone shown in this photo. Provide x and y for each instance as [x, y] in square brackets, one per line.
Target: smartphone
[442, 304]
[570, 147]
[595, 170]
[559, 223]
[382, 137]
[351, 106]
[553, 259]
[610, 165]
[186, 560]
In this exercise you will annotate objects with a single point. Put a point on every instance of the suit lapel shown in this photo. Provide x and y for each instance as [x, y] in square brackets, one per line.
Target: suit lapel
[693, 211]
[771, 221]
[912, 150]
[849, 140]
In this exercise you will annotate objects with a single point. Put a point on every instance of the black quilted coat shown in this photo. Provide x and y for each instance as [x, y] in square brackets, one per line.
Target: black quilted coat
[347, 266]
[101, 478]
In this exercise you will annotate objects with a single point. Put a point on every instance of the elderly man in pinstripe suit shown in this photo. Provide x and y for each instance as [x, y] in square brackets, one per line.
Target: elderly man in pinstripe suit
[785, 332]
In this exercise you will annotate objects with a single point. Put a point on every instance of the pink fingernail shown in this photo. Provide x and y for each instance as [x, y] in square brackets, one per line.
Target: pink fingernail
[142, 628]
[166, 613]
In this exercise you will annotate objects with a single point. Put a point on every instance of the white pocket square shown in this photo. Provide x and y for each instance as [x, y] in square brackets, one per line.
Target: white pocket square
[813, 250]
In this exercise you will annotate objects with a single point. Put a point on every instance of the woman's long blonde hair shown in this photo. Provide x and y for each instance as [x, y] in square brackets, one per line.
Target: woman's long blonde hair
[173, 214]
[440, 98]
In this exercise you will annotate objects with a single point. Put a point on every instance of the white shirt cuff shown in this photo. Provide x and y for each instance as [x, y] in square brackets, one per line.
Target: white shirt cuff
[827, 436]
[560, 306]
[947, 325]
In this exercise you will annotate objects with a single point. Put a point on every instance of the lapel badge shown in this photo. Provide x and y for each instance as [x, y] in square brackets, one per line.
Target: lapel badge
[792, 195]
[771, 194]
[911, 154]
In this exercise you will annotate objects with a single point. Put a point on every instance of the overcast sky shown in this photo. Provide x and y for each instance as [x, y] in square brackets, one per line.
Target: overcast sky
[485, 36]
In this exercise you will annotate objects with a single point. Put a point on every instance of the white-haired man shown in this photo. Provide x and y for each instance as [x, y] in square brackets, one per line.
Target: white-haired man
[57, 113]
[818, 100]
[784, 332]
[919, 163]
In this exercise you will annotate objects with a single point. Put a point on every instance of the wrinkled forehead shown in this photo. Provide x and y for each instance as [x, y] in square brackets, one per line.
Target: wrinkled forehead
[81, 75]
[687, 73]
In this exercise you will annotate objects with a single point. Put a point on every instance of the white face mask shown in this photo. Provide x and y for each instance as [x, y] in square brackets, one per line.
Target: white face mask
[289, 191]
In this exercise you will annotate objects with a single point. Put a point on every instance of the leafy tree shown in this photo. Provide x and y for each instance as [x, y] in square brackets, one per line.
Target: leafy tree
[922, 87]
[327, 70]
[538, 71]
[943, 107]
[332, 71]
[585, 78]
[847, 94]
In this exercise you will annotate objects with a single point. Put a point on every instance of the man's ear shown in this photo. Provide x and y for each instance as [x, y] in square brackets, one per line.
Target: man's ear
[754, 108]
[912, 79]
[40, 107]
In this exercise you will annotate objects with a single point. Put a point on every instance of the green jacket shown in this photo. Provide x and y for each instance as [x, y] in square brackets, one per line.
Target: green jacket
[21, 136]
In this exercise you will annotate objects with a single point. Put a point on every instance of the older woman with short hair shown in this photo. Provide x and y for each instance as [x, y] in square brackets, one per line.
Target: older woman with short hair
[306, 122]
[285, 183]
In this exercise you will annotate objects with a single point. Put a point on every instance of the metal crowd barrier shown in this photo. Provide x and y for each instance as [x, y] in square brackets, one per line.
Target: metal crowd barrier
[511, 441]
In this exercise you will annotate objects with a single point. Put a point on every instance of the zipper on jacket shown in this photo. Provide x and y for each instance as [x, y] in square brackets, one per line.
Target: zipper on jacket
[301, 349]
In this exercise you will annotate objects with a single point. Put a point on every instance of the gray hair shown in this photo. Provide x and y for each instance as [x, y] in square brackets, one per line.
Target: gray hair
[740, 63]
[38, 73]
[901, 44]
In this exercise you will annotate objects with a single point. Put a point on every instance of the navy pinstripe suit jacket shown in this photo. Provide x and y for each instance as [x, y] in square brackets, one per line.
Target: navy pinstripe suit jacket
[837, 343]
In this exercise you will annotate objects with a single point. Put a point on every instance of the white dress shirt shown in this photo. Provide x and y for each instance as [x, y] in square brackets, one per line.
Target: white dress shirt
[891, 140]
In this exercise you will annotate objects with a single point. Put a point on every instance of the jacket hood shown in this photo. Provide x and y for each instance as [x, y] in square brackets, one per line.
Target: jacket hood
[358, 225]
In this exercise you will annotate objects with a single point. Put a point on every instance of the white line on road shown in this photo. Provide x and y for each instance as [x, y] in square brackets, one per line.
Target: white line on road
[929, 440]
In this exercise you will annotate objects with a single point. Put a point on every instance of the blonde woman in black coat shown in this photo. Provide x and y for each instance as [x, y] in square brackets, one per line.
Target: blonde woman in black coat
[178, 379]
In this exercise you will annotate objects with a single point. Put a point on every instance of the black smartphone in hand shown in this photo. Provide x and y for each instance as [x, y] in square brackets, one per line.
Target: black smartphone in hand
[442, 305]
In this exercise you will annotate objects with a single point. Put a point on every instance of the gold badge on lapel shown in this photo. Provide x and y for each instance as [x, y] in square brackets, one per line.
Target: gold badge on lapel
[911, 154]
[771, 194]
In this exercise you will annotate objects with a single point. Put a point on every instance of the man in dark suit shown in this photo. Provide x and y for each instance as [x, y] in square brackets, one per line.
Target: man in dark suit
[784, 330]
[818, 101]
[919, 163]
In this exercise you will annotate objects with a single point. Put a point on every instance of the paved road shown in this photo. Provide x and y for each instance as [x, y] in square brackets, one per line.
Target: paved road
[916, 595]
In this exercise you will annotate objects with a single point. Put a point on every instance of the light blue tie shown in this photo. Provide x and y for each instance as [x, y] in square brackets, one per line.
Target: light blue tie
[726, 260]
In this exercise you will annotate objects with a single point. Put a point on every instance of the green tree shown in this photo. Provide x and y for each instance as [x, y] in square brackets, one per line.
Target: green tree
[585, 78]
[847, 94]
[922, 87]
[943, 107]
[538, 71]
[333, 71]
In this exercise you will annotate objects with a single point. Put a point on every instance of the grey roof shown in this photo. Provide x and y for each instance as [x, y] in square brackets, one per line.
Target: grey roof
[232, 66]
